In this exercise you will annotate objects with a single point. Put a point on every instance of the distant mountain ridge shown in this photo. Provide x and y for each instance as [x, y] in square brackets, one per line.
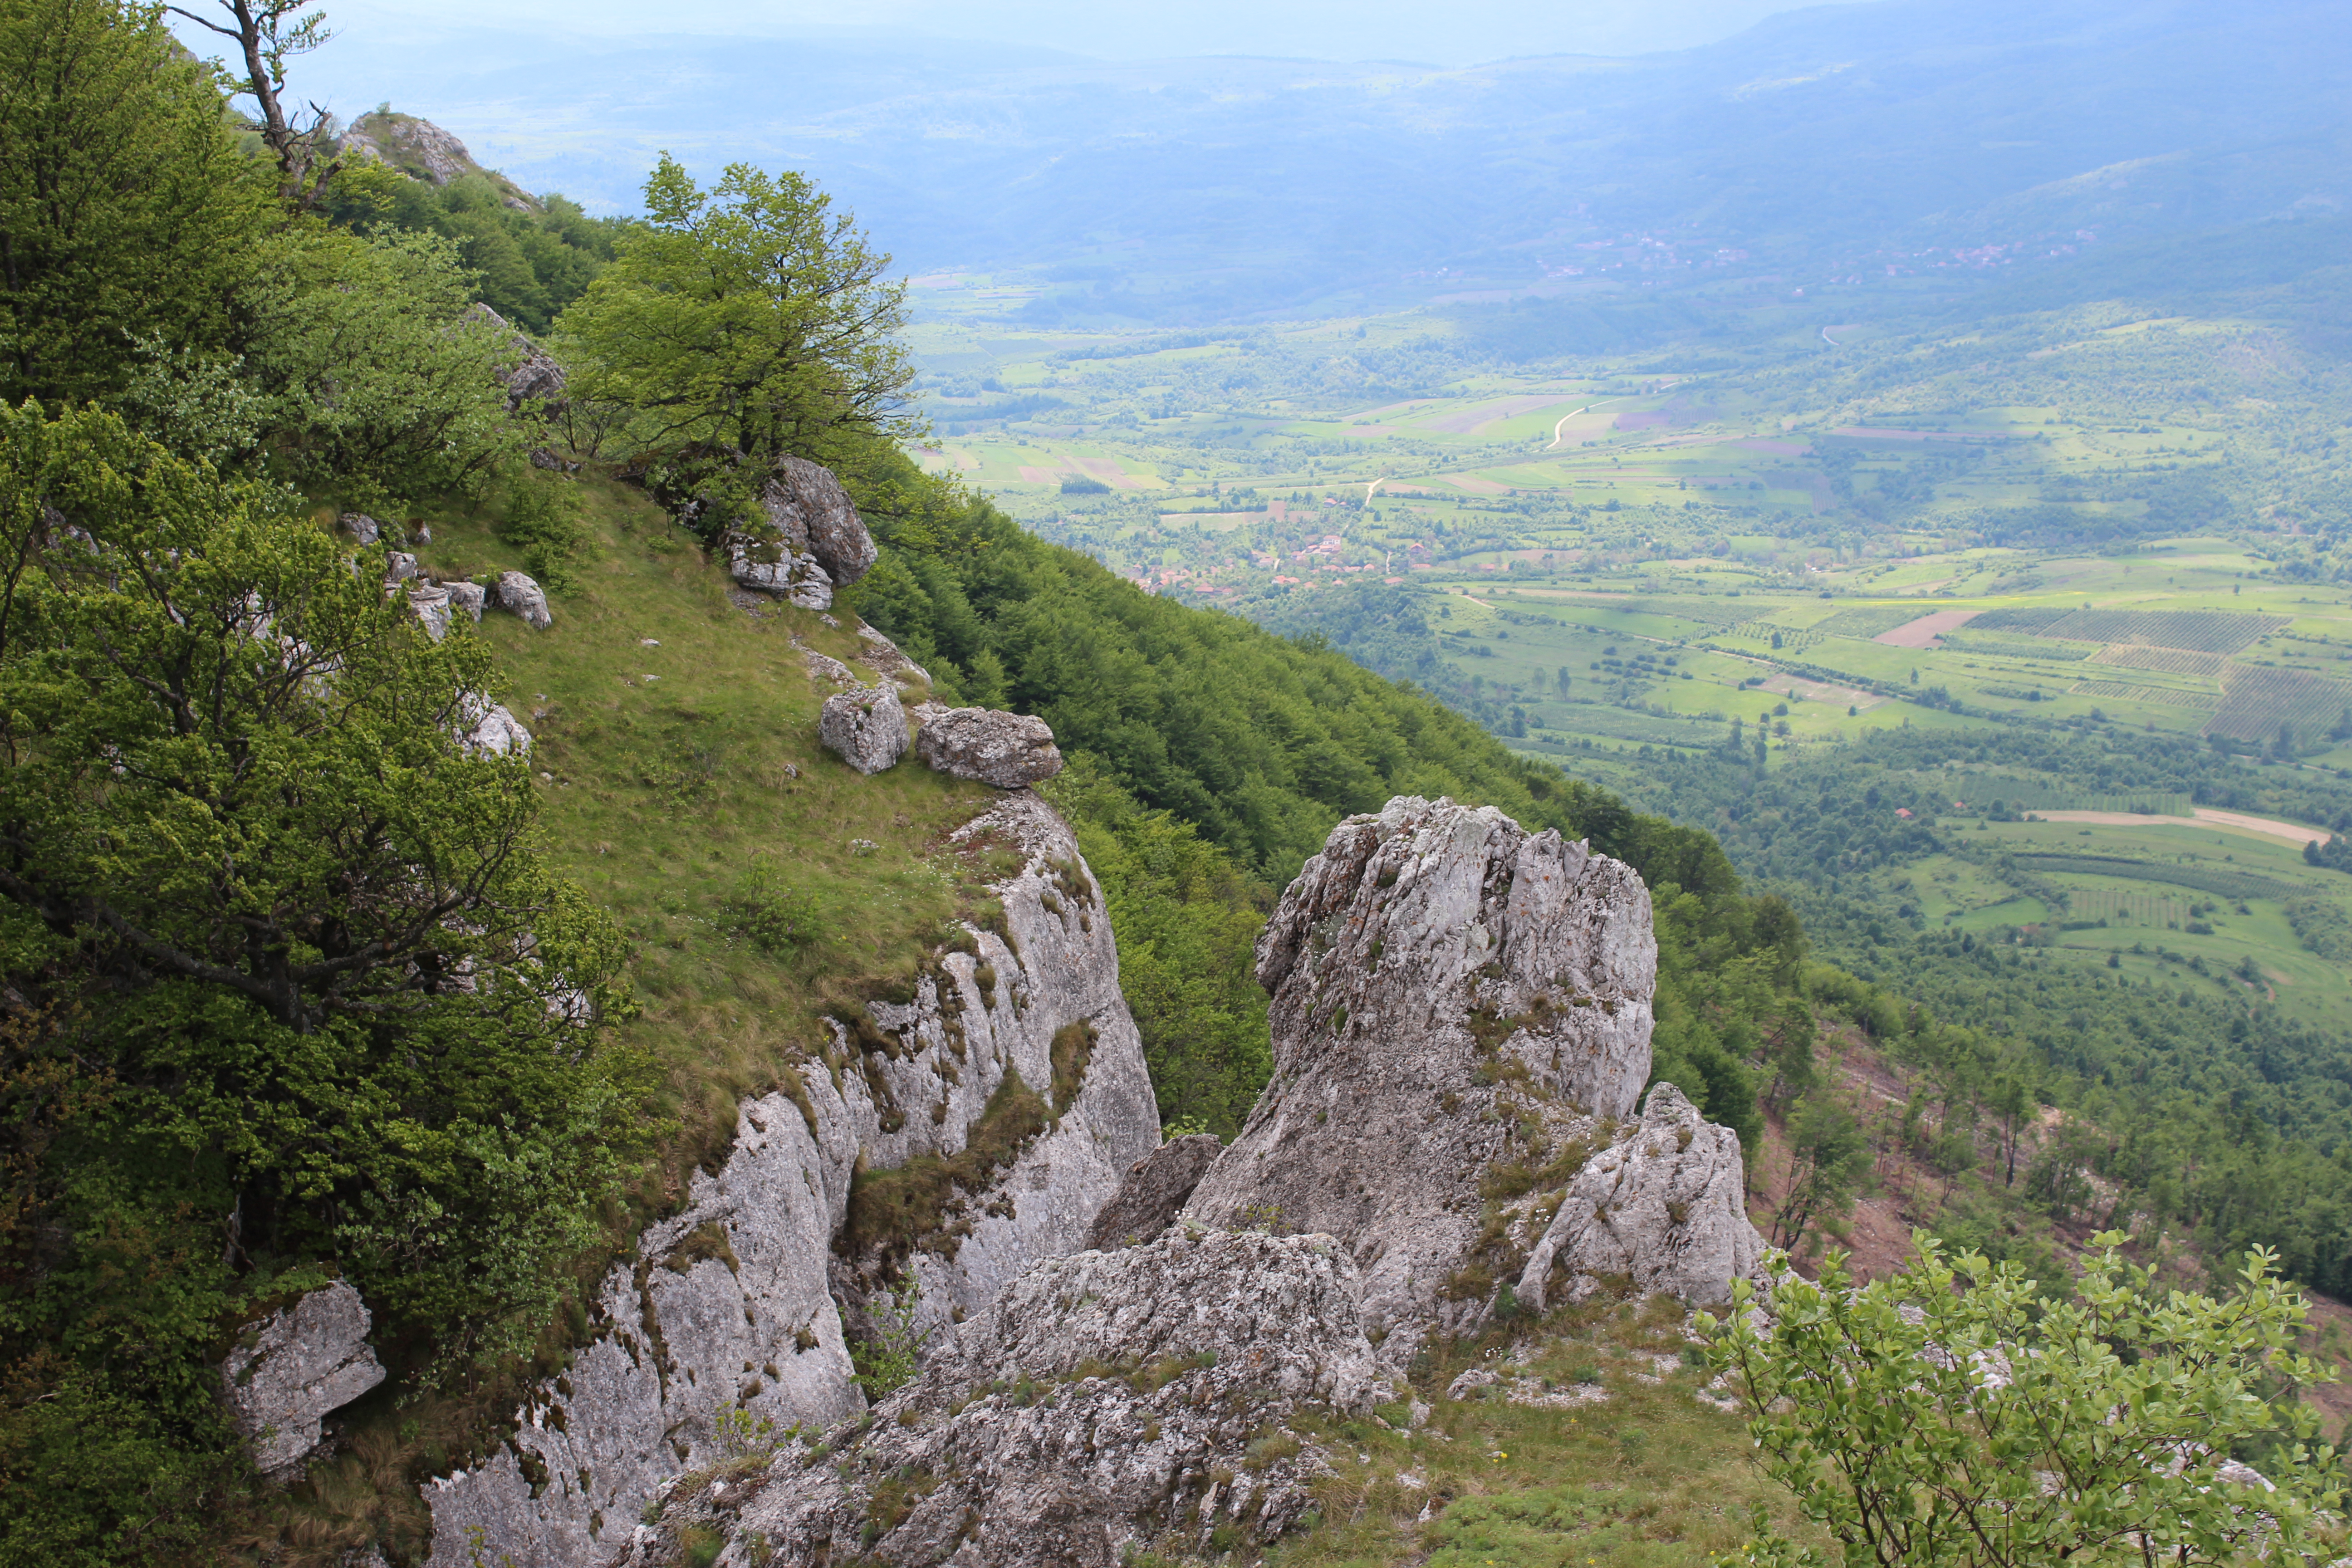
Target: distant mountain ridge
[1838, 138]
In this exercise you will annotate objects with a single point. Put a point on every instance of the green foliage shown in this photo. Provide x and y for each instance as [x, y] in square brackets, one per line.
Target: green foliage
[2323, 926]
[887, 1362]
[128, 208]
[1952, 1414]
[763, 911]
[541, 516]
[373, 381]
[308, 999]
[1186, 919]
[530, 262]
[1829, 1162]
[749, 318]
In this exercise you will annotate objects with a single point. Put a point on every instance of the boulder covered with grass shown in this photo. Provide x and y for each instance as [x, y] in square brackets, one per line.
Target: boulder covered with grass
[864, 727]
[1106, 1405]
[1460, 1009]
[1010, 751]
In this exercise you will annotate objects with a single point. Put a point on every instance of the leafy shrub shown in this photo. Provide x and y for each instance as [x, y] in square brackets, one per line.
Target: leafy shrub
[761, 909]
[887, 1362]
[542, 517]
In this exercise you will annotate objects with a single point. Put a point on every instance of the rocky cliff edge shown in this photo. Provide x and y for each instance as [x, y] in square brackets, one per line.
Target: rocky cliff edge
[954, 1137]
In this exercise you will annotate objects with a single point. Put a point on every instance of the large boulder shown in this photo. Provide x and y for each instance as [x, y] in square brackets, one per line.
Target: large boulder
[429, 603]
[1663, 1208]
[1106, 1405]
[487, 729]
[466, 599]
[766, 564]
[288, 1370]
[525, 597]
[806, 505]
[864, 727]
[1458, 1007]
[1154, 1191]
[1007, 750]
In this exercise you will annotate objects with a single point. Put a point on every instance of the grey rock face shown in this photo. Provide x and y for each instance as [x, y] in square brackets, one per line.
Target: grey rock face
[526, 598]
[525, 369]
[1442, 981]
[737, 1300]
[492, 730]
[1234, 1330]
[772, 566]
[288, 1370]
[1665, 1206]
[882, 656]
[429, 603]
[399, 566]
[807, 506]
[466, 599]
[360, 526]
[866, 727]
[1007, 750]
[1153, 1192]
[813, 541]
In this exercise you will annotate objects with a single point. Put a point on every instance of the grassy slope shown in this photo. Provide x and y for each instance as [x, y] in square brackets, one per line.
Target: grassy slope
[669, 770]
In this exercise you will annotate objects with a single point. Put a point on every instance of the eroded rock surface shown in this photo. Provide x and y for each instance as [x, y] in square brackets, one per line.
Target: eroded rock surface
[488, 728]
[286, 1373]
[1154, 1191]
[527, 370]
[1106, 1404]
[525, 597]
[813, 542]
[466, 599]
[882, 656]
[1013, 1060]
[429, 603]
[864, 727]
[1453, 996]
[1007, 750]
[1664, 1207]
[360, 526]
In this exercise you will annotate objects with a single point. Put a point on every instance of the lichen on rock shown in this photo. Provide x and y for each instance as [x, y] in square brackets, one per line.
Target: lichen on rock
[288, 1372]
[864, 727]
[1105, 1404]
[1010, 751]
[1455, 1000]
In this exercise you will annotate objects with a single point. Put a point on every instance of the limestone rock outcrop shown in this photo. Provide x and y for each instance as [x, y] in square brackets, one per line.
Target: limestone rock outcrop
[1154, 1191]
[1451, 996]
[466, 599]
[1012, 1060]
[429, 603]
[491, 729]
[864, 727]
[526, 598]
[527, 370]
[286, 1373]
[1009, 751]
[360, 526]
[812, 542]
[1664, 1207]
[1106, 1404]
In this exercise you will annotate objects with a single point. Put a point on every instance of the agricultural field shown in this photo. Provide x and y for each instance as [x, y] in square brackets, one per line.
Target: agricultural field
[1763, 556]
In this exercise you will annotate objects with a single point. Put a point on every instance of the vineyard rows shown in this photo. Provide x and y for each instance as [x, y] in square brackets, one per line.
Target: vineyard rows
[2125, 692]
[2206, 877]
[2257, 702]
[2165, 661]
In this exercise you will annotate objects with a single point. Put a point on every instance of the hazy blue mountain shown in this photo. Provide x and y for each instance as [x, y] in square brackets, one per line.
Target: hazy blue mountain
[1820, 141]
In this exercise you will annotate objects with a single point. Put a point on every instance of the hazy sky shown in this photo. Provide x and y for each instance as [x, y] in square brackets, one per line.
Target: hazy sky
[1441, 32]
